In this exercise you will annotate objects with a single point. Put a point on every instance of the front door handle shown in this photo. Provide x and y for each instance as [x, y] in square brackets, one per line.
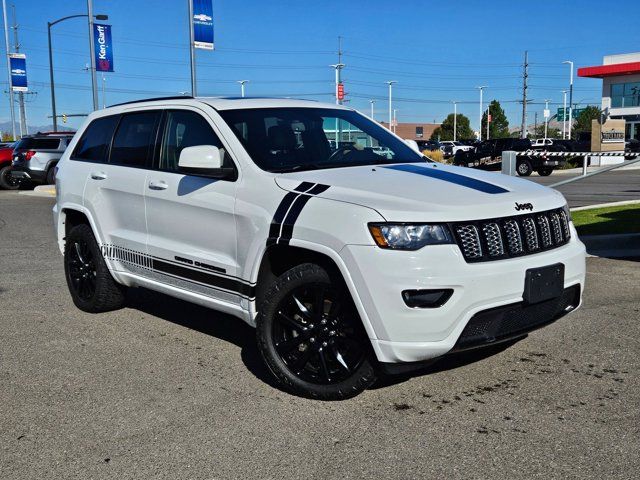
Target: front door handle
[98, 175]
[158, 185]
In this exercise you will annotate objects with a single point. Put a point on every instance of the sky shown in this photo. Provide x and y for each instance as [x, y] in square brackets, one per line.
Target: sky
[438, 52]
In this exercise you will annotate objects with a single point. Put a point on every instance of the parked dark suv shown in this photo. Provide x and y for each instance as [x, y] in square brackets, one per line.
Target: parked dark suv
[35, 157]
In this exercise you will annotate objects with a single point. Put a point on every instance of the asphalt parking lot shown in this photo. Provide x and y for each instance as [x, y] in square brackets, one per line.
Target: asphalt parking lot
[614, 186]
[166, 389]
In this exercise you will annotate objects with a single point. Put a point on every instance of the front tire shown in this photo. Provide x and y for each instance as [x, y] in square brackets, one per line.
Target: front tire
[90, 283]
[545, 171]
[524, 168]
[7, 182]
[311, 336]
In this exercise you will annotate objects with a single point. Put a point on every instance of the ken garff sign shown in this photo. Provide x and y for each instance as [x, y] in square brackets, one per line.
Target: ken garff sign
[18, 63]
[203, 24]
[103, 47]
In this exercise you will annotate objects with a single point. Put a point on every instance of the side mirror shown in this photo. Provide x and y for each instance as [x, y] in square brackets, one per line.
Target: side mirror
[204, 160]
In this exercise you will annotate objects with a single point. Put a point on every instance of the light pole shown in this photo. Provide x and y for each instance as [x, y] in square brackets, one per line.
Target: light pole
[481, 88]
[395, 119]
[570, 63]
[390, 83]
[242, 82]
[455, 121]
[53, 89]
[488, 119]
[338, 67]
[371, 102]
[6, 42]
[546, 117]
[192, 51]
[564, 114]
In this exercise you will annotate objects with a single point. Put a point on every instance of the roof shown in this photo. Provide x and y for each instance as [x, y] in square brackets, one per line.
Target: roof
[613, 70]
[229, 103]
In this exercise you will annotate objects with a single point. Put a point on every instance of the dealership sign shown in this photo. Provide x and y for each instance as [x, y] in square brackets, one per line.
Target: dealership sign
[103, 47]
[18, 64]
[203, 24]
[612, 135]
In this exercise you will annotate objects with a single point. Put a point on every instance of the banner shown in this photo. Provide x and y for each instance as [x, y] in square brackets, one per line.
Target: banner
[203, 24]
[103, 47]
[18, 63]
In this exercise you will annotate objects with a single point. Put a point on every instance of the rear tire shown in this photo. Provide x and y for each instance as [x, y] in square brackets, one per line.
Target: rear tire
[51, 175]
[6, 180]
[90, 283]
[311, 336]
[524, 168]
[545, 171]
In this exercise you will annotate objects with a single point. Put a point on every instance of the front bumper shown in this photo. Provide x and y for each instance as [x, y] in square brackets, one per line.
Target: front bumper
[404, 334]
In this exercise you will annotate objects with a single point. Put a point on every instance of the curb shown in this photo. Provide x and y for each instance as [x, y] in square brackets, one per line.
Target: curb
[602, 205]
[48, 191]
[612, 246]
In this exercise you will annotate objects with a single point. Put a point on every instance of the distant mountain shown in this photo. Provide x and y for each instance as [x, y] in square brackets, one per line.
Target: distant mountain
[5, 127]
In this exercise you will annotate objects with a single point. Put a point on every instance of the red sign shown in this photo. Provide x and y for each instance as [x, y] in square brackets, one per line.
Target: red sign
[340, 91]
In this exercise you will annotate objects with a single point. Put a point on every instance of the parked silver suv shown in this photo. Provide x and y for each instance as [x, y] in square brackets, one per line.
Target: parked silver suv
[35, 157]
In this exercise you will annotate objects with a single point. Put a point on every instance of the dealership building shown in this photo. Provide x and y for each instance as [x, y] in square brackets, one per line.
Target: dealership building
[620, 76]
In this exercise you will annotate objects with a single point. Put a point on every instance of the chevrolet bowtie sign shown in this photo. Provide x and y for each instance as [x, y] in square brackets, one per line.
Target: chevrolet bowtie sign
[203, 24]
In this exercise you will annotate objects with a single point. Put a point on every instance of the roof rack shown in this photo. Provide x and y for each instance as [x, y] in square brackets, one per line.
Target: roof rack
[175, 97]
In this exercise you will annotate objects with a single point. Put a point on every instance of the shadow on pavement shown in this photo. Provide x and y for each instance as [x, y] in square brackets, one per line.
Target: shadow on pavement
[204, 320]
[233, 330]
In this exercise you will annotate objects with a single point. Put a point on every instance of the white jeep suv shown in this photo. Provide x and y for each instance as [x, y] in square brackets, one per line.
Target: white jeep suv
[348, 263]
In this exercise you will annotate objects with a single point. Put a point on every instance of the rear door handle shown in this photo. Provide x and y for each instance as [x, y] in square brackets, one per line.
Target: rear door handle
[98, 175]
[158, 185]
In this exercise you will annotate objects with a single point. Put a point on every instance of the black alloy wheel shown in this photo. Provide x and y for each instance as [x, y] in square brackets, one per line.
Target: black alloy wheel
[311, 336]
[8, 181]
[81, 270]
[316, 335]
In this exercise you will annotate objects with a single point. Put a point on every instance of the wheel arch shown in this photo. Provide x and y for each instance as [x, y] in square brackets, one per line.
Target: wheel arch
[277, 259]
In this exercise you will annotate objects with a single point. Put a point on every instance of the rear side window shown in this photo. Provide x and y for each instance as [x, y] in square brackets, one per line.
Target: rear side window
[94, 143]
[38, 144]
[134, 139]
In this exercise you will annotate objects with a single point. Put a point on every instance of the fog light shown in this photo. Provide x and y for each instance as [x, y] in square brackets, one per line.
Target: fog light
[426, 298]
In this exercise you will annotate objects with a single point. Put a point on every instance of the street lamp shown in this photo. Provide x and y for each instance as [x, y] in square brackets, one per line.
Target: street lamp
[564, 114]
[455, 120]
[242, 82]
[481, 88]
[390, 83]
[570, 63]
[546, 117]
[53, 92]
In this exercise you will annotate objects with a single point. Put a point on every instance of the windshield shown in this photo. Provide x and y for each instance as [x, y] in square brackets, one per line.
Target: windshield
[293, 139]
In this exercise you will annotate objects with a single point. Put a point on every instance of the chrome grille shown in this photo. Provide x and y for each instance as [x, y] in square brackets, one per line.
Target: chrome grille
[514, 238]
[469, 241]
[493, 239]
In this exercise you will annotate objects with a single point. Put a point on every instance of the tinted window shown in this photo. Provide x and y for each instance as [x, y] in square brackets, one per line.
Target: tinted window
[134, 139]
[39, 143]
[94, 143]
[183, 129]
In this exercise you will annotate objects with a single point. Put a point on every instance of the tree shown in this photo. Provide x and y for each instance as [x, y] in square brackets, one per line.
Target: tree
[551, 132]
[445, 130]
[499, 125]
[583, 121]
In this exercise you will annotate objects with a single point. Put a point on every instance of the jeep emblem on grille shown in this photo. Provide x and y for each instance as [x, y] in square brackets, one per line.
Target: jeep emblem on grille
[524, 206]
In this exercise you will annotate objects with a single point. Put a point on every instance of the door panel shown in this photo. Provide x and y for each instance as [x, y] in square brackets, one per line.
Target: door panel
[190, 219]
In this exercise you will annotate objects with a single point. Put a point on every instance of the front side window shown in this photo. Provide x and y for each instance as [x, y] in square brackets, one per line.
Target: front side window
[293, 139]
[94, 144]
[184, 128]
[134, 140]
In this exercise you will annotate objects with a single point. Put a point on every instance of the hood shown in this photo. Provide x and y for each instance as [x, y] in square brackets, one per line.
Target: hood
[428, 192]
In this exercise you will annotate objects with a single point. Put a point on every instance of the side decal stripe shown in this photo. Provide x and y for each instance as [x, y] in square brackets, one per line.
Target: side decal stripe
[450, 177]
[234, 286]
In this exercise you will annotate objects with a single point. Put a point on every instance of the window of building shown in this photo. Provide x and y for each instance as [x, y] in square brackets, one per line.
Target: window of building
[184, 128]
[94, 143]
[134, 139]
[625, 95]
[419, 132]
